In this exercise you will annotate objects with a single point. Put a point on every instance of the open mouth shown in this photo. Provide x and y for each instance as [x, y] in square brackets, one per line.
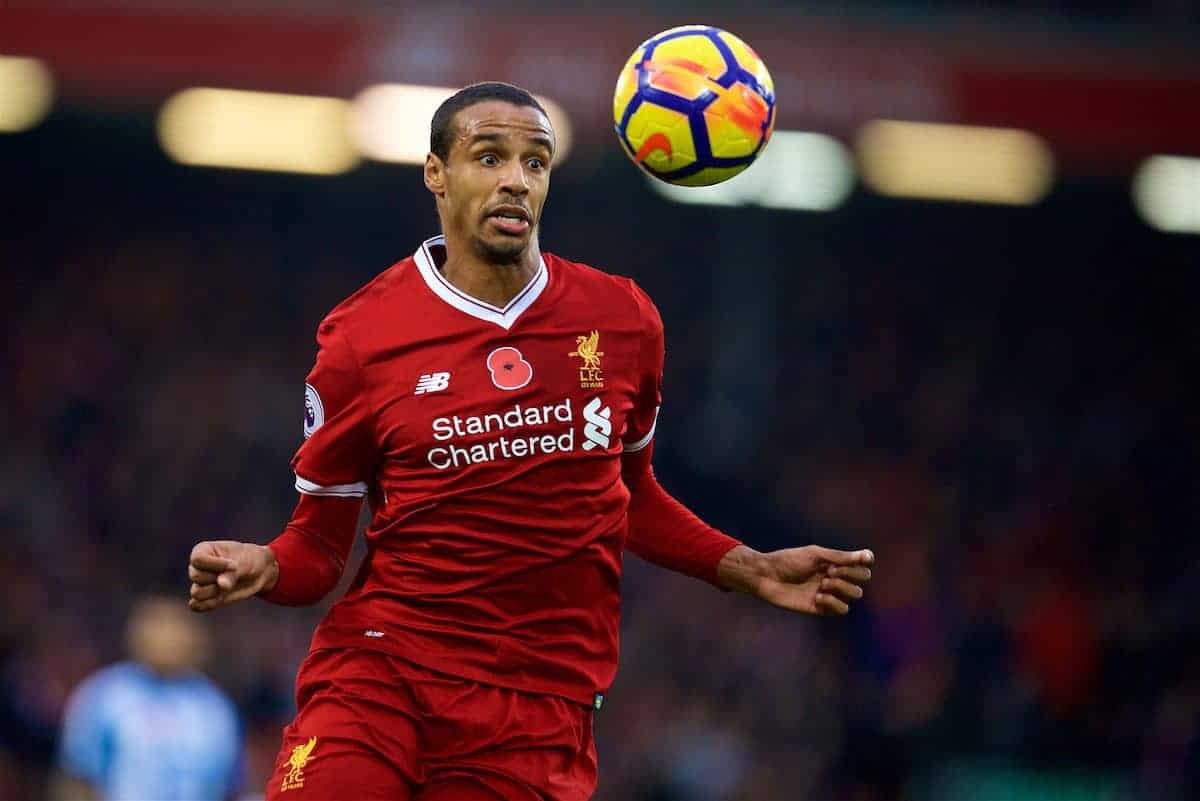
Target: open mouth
[510, 219]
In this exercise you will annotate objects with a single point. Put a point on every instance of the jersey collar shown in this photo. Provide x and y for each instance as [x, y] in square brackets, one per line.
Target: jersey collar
[503, 317]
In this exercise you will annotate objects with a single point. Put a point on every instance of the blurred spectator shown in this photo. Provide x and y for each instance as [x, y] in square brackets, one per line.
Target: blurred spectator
[151, 727]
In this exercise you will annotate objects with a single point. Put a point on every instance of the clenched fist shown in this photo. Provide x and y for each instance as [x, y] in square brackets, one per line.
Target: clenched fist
[224, 571]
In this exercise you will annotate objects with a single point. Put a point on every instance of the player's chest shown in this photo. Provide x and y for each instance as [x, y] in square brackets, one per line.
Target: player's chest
[493, 385]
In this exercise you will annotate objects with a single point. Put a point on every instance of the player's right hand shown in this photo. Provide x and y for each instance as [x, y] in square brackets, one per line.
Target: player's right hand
[224, 571]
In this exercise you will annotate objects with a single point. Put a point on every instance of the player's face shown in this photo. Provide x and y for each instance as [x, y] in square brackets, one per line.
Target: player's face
[497, 177]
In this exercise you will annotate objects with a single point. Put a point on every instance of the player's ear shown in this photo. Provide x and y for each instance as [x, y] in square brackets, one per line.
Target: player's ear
[435, 174]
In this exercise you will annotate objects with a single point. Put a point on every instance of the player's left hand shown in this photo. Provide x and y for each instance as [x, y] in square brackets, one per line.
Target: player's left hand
[811, 579]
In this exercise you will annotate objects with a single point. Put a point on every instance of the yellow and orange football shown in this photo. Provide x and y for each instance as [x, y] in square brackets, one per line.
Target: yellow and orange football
[694, 106]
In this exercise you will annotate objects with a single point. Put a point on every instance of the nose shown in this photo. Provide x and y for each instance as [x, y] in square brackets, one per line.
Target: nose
[514, 180]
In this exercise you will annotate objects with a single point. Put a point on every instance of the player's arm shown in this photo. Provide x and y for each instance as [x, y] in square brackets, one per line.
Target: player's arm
[299, 567]
[332, 467]
[663, 531]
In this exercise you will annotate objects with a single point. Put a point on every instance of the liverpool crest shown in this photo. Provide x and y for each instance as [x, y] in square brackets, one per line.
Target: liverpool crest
[295, 776]
[587, 348]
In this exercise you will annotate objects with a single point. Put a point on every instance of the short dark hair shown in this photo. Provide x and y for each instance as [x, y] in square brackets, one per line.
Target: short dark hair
[440, 130]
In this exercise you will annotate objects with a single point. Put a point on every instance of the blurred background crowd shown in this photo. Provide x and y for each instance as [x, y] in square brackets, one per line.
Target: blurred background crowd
[992, 398]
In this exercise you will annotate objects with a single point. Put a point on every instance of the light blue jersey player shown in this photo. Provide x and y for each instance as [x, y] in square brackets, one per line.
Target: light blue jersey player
[152, 727]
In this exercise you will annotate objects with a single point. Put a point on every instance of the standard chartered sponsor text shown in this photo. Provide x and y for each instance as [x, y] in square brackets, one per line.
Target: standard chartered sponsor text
[508, 445]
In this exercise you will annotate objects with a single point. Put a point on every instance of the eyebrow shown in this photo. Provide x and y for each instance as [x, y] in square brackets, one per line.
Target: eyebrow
[537, 139]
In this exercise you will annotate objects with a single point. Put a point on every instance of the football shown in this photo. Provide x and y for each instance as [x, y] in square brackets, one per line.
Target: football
[694, 106]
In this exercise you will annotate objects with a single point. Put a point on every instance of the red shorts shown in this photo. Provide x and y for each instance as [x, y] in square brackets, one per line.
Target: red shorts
[372, 726]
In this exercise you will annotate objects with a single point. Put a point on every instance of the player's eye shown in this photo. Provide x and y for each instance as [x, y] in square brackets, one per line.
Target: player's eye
[537, 163]
[489, 160]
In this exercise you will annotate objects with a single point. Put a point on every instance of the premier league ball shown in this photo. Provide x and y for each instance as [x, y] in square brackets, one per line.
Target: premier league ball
[694, 106]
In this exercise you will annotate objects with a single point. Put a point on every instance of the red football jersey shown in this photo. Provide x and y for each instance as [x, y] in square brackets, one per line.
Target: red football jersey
[488, 441]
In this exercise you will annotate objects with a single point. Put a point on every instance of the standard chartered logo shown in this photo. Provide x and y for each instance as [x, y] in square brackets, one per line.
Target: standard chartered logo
[598, 427]
[517, 432]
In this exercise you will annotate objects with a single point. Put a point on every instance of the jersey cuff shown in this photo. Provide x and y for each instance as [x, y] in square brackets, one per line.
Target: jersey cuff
[356, 490]
[633, 447]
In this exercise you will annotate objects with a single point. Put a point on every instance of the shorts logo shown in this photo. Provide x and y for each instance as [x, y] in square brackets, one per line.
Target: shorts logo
[508, 368]
[297, 762]
[598, 428]
[314, 411]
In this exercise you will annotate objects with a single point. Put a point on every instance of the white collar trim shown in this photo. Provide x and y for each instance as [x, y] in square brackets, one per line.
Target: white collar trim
[503, 317]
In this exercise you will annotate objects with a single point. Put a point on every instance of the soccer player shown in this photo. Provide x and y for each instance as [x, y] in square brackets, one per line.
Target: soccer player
[496, 407]
[152, 726]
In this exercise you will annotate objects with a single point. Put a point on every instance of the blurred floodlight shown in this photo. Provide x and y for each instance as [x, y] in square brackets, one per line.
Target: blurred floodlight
[955, 162]
[1166, 190]
[258, 131]
[797, 170]
[390, 121]
[26, 92]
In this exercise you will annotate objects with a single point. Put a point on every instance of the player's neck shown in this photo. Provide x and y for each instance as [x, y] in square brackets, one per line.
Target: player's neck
[494, 284]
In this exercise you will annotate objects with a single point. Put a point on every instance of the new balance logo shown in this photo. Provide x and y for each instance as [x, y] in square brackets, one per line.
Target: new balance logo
[433, 382]
[598, 428]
